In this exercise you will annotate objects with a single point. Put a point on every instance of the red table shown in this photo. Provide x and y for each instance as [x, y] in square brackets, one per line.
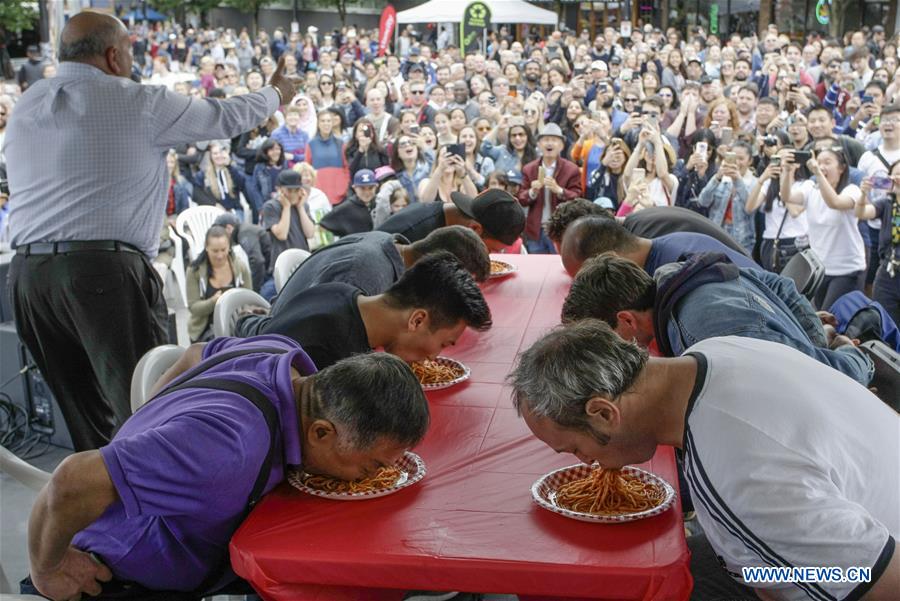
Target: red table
[471, 524]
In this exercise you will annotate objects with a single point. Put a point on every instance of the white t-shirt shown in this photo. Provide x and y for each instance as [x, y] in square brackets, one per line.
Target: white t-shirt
[657, 193]
[793, 226]
[870, 165]
[803, 470]
[833, 235]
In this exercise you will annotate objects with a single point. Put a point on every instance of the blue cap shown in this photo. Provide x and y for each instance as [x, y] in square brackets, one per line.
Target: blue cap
[364, 177]
[514, 177]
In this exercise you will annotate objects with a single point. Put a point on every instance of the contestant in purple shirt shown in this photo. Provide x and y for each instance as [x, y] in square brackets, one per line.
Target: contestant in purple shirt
[157, 506]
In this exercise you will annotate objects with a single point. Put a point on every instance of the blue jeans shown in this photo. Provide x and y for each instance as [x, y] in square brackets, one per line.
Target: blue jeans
[887, 291]
[541, 246]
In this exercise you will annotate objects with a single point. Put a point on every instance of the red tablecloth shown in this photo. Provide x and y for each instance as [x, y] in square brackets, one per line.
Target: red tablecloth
[471, 524]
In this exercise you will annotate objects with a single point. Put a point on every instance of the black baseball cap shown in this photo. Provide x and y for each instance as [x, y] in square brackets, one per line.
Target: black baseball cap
[496, 210]
[289, 179]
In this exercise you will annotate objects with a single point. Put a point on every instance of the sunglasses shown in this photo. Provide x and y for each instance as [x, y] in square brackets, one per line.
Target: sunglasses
[403, 142]
[630, 99]
[417, 92]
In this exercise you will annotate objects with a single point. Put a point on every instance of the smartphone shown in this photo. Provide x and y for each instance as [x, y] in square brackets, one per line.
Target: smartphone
[457, 149]
[638, 174]
[701, 148]
[542, 173]
[626, 74]
[775, 161]
[730, 157]
[882, 183]
[517, 121]
[866, 99]
[342, 85]
[801, 156]
[726, 135]
[414, 129]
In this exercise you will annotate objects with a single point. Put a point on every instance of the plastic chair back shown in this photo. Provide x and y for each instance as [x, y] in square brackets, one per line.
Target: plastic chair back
[192, 224]
[225, 314]
[807, 271]
[149, 369]
[22, 471]
[286, 264]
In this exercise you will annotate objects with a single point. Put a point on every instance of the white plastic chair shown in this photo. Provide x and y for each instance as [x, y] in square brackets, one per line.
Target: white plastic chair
[286, 264]
[241, 256]
[22, 471]
[149, 369]
[193, 223]
[179, 272]
[225, 315]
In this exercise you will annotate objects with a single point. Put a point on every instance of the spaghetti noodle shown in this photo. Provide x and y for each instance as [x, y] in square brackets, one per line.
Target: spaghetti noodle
[435, 372]
[609, 492]
[499, 267]
[383, 478]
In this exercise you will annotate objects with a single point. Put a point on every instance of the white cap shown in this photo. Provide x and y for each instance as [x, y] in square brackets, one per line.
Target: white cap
[599, 65]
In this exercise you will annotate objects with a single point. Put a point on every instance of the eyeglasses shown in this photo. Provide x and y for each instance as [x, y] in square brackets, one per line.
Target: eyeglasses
[484, 128]
[891, 120]
[417, 92]
[630, 99]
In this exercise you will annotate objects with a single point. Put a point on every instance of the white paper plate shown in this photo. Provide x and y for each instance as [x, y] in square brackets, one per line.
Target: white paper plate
[544, 493]
[509, 269]
[412, 469]
[452, 363]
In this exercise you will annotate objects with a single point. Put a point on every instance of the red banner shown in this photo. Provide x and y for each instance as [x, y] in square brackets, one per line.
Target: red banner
[386, 29]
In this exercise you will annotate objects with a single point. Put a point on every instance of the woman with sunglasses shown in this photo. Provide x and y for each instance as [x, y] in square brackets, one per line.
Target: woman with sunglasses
[534, 116]
[326, 97]
[410, 165]
[671, 105]
[519, 150]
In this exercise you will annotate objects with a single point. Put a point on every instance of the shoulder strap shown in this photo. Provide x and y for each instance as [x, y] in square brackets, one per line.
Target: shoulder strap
[881, 158]
[255, 396]
[212, 362]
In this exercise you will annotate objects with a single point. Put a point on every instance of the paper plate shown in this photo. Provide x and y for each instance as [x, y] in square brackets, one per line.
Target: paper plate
[412, 469]
[544, 493]
[505, 268]
[452, 363]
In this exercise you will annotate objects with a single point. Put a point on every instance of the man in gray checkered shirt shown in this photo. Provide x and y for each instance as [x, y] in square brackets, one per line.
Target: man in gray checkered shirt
[87, 177]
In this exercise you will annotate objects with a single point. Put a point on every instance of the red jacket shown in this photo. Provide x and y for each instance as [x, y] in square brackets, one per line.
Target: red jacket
[567, 175]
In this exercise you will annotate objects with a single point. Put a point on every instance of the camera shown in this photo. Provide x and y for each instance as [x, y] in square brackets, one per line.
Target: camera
[770, 141]
[801, 156]
[456, 149]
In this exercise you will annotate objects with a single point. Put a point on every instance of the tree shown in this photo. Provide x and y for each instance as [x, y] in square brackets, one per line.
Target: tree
[836, 17]
[342, 10]
[16, 16]
[249, 6]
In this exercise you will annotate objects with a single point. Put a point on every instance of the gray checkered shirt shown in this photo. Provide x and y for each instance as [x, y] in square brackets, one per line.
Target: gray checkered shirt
[86, 153]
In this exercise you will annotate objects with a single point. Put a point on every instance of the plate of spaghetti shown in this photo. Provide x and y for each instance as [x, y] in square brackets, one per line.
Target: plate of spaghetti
[500, 269]
[593, 494]
[443, 372]
[388, 480]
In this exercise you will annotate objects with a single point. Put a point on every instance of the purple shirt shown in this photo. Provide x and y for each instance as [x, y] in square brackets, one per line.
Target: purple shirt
[184, 467]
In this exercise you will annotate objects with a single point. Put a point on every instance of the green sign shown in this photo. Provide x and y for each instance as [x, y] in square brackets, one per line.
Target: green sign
[476, 20]
[823, 11]
[713, 18]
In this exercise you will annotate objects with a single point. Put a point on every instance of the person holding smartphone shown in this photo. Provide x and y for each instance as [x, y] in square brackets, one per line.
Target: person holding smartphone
[829, 202]
[215, 270]
[725, 195]
[696, 172]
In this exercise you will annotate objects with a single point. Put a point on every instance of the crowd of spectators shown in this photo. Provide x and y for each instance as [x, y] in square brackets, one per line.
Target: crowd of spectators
[785, 143]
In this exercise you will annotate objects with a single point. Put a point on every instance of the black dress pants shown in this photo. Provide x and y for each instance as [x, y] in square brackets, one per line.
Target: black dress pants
[87, 317]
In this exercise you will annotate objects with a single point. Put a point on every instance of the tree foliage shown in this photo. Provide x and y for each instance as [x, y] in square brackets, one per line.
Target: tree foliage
[250, 7]
[17, 16]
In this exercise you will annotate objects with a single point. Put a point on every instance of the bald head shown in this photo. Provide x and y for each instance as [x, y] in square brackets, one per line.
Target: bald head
[593, 235]
[90, 37]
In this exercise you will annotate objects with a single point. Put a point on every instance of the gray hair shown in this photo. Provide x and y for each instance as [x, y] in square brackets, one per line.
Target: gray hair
[104, 35]
[561, 371]
[374, 396]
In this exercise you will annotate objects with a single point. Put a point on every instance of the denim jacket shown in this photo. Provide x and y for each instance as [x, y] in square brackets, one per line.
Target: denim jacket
[760, 305]
[715, 197]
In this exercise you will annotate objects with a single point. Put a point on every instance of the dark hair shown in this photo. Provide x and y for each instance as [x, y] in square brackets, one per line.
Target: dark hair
[374, 395]
[461, 242]
[767, 100]
[676, 103]
[440, 284]
[396, 162]
[262, 155]
[816, 108]
[655, 101]
[605, 285]
[876, 83]
[529, 153]
[774, 190]
[890, 108]
[353, 144]
[567, 212]
[590, 236]
[337, 115]
[214, 231]
[750, 87]
[844, 180]
[705, 135]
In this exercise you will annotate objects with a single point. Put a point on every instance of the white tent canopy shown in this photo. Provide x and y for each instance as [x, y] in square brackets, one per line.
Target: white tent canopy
[502, 11]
